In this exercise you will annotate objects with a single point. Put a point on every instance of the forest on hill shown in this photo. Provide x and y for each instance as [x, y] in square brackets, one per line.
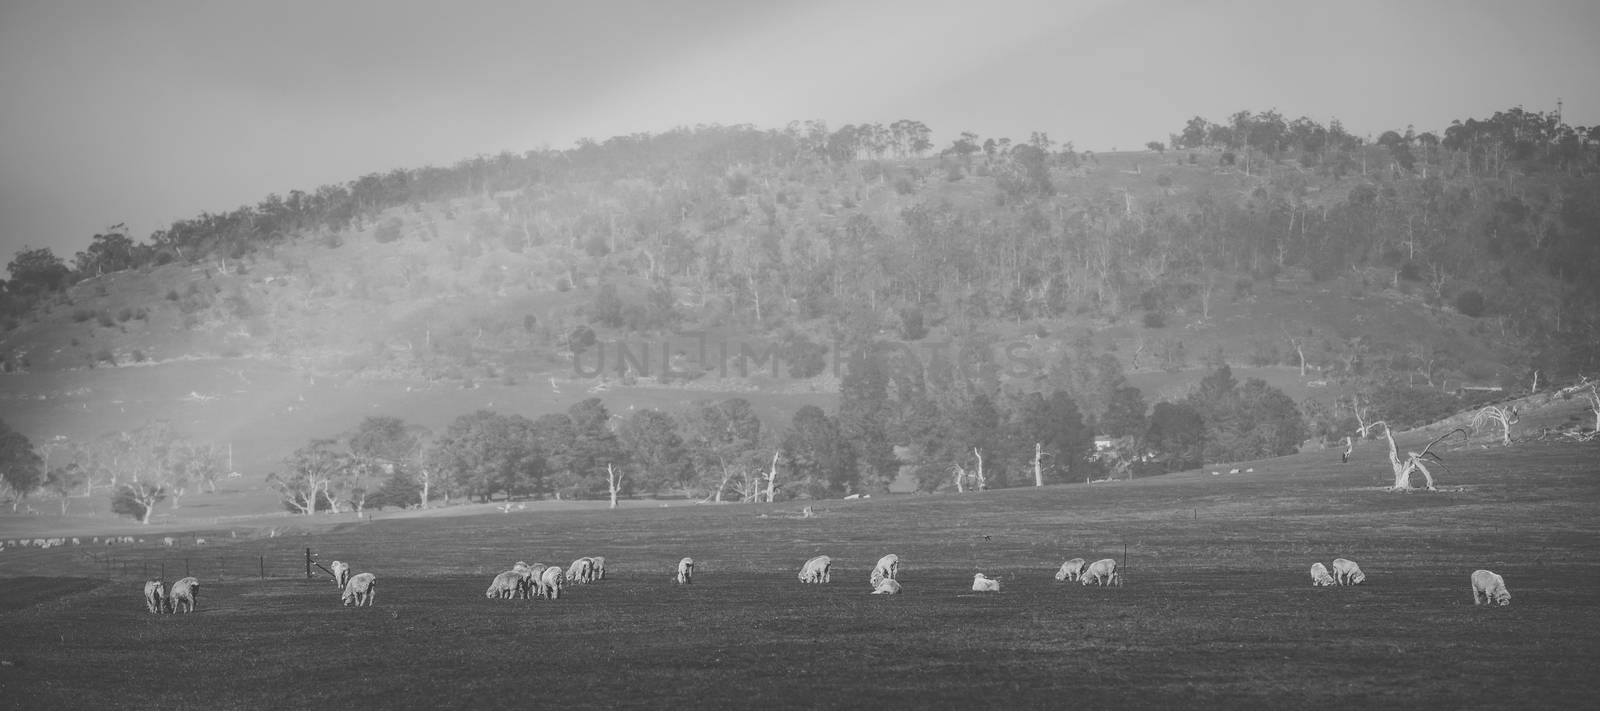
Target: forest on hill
[863, 244]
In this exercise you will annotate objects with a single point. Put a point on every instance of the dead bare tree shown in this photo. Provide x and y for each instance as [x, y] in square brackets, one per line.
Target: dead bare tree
[1349, 449]
[613, 482]
[1503, 416]
[1038, 471]
[1593, 396]
[1414, 460]
[961, 477]
[772, 476]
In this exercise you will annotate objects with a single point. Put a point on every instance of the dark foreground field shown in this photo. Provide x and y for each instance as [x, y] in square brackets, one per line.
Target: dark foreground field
[1217, 610]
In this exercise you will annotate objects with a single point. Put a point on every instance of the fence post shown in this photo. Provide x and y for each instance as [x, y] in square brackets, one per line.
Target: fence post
[263, 561]
[308, 564]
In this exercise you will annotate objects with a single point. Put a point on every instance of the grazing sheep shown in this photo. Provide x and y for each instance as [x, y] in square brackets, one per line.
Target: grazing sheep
[529, 582]
[980, 583]
[686, 571]
[155, 596]
[888, 568]
[549, 585]
[1491, 585]
[506, 585]
[1071, 570]
[1346, 572]
[816, 570]
[167, 541]
[341, 573]
[1320, 576]
[1102, 572]
[183, 595]
[361, 590]
[581, 571]
[599, 564]
[886, 586]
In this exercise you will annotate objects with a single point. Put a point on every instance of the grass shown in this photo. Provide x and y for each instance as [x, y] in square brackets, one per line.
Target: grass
[1217, 611]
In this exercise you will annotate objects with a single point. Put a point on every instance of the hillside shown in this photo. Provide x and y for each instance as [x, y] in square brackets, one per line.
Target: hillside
[1334, 274]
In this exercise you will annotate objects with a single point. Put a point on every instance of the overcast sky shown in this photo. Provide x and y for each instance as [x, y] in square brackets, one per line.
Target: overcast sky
[152, 111]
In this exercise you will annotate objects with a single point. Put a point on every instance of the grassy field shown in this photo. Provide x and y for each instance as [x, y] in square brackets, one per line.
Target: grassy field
[1217, 610]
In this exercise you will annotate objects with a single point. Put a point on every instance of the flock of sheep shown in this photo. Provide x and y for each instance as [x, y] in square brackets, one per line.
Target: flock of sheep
[538, 580]
[181, 598]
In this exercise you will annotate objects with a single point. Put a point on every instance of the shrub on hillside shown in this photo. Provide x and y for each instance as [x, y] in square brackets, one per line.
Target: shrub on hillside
[1470, 303]
[81, 315]
[388, 231]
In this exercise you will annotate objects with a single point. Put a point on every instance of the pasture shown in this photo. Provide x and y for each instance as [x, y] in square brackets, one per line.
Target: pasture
[1217, 610]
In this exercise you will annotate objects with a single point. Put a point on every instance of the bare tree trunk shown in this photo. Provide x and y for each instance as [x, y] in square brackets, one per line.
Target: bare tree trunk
[614, 482]
[982, 482]
[772, 476]
[1038, 472]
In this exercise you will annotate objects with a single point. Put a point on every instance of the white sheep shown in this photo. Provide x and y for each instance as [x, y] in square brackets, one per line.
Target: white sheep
[549, 586]
[1071, 570]
[506, 585]
[1346, 572]
[1102, 572]
[361, 590]
[887, 586]
[888, 568]
[686, 571]
[155, 596]
[598, 567]
[816, 570]
[1320, 576]
[581, 571]
[341, 573]
[529, 583]
[981, 583]
[1491, 585]
[183, 595]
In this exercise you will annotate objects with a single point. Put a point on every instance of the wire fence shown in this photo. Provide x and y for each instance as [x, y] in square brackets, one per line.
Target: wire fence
[167, 564]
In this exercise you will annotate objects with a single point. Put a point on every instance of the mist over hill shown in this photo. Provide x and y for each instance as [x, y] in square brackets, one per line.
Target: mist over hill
[993, 295]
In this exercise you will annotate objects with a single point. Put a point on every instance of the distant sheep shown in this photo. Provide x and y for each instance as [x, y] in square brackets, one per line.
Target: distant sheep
[1320, 576]
[1102, 572]
[167, 541]
[1071, 570]
[183, 595]
[1491, 585]
[886, 586]
[155, 596]
[686, 571]
[816, 570]
[888, 568]
[506, 586]
[341, 573]
[549, 583]
[581, 571]
[529, 583]
[599, 567]
[361, 590]
[981, 583]
[1346, 572]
